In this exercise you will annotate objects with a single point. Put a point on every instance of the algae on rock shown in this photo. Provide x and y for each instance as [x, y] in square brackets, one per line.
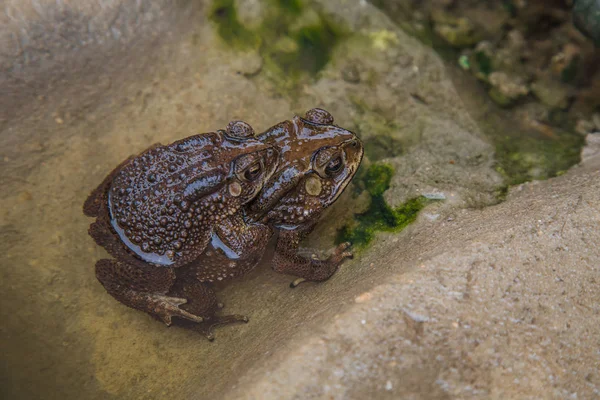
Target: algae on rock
[293, 39]
[379, 216]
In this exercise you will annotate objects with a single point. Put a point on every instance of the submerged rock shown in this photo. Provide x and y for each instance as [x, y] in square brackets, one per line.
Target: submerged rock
[506, 89]
[551, 93]
[497, 303]
[591, 151]
[251, 13]
[458, 32]
[586, 17]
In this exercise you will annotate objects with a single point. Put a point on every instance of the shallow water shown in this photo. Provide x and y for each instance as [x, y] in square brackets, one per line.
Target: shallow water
[62, 335]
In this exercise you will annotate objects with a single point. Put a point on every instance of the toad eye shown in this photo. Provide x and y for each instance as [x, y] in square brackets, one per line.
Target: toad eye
[253, 172]
[334, 165]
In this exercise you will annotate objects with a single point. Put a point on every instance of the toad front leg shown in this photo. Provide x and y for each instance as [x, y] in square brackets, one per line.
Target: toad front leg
[288, 261]
[143, 288]
[235, 249]
[240, 240]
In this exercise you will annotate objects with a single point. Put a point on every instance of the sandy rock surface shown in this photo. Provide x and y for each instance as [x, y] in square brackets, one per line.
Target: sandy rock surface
[502, 303]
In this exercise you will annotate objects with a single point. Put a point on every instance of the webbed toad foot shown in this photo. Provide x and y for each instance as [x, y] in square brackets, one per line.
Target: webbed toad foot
[165, 307]
[339, 253]
[312, 268]
[203, 301]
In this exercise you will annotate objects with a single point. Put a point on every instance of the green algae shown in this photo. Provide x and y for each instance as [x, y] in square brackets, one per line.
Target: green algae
[383, 140]
[291, 6]
[224, 14]
[294, 40]
[526, 158]
[383, 146]
[314, 45]
[379, 217]
[484, 63]
[377, 179]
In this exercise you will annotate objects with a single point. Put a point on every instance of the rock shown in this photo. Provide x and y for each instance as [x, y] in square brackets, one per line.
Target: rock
[251, 13]
[591, 151]
[551, 93]
[248, 64]
[499, 303]
[480, 60]
[565, 64]
[585, 18]
[583, 127]
[508, 54]
[408, 84]
[286, 44]
[458, 32]
[351, 74]
[506, 89]
[309, 18]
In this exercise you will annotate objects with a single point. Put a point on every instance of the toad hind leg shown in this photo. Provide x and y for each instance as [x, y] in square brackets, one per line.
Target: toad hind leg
[143, 289]
[203, 301]
[206, 328]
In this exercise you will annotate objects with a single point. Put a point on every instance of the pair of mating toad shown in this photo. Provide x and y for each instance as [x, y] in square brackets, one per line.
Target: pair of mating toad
[179, 219]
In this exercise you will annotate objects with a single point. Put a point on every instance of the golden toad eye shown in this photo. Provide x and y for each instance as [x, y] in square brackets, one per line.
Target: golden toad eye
[253, 172]
[334, 166]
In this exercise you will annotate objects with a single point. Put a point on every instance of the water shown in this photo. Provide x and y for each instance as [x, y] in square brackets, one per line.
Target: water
[62, 335]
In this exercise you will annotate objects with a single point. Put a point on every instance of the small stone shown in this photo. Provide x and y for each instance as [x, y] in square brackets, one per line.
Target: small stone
[506, 89]
[458, 32]
[248, 64]
[239, 130]
[435, 196]
[351, 74]
[286, 45]
[583, 126]
[551, 93]
[364, 297]
[592, 147]
[565, 63]
[250, 13]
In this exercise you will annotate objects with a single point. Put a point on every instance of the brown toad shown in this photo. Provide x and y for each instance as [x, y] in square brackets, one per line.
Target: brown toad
[317, 161]
[305, 164]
